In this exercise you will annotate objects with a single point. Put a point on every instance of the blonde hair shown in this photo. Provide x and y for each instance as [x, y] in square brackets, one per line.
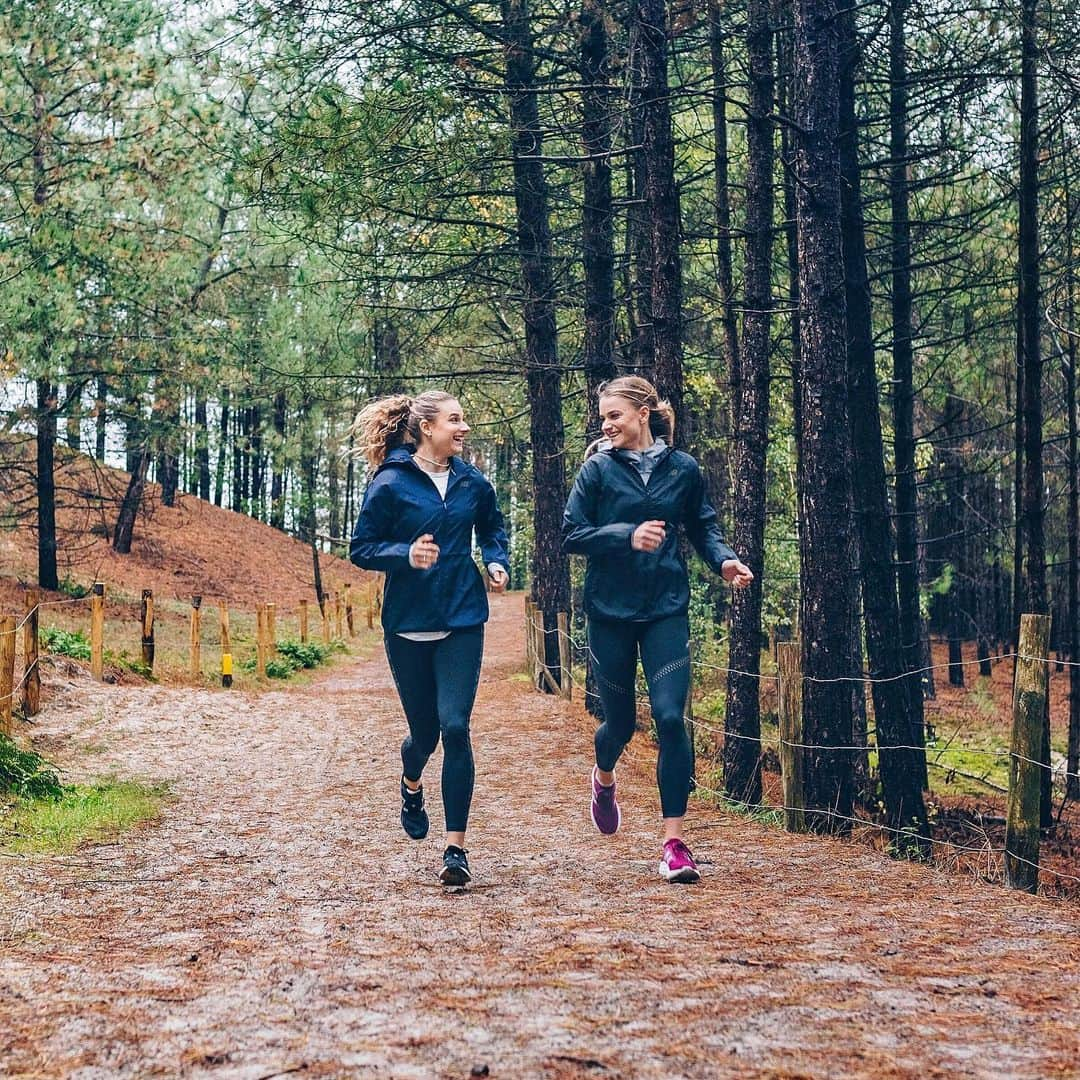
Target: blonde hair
[639, 392]
[390, 422]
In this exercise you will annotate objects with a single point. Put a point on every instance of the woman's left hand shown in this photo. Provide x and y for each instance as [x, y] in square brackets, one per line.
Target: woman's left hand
[738, 574]
[499, 579]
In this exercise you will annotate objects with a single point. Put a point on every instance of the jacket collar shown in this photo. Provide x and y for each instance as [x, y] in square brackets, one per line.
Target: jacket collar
[403, 456]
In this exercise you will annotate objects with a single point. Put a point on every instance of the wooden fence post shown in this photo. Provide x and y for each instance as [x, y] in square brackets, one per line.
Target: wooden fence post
[789, 662]
[31, 694]
[148, 628]
[349, 611]
[260, 639]
[565, 670]
[530, 639]
[226, 644]
[97, 631]
[324, 609]
[303, 621]
[1031, 683]
[339, 615]
[271, 629]
[371, 605]
[196, 636]
[7, 671]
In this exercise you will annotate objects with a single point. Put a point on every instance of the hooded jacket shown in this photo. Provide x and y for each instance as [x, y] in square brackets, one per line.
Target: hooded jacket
[608, 502]
[400, 505]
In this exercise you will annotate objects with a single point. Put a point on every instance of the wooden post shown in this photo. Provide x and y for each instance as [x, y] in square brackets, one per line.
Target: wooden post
[530, 638]
[565, 661]
[371, 605]
[788, 660]
[1031, 682]
[339, 614]
[325, 611]
[31, 694]
[226, 645]
[7, 671]
[148, 628]
[196, 636]
[271, 629]
[260, 639]
[349, 611]
[97, 631]
[303, 621]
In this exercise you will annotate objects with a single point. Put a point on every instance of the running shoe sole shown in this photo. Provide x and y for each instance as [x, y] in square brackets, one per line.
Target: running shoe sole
[454, 875]
[685, 875]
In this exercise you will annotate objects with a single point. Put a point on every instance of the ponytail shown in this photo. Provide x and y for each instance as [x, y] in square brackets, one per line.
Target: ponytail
[390, 422]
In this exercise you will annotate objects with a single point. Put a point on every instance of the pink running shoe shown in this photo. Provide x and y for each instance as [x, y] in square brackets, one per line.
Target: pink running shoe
[678, 864]
[604, 809]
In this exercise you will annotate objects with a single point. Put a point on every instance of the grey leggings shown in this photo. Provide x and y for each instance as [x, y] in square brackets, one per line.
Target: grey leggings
[664, 645]
[436, 681]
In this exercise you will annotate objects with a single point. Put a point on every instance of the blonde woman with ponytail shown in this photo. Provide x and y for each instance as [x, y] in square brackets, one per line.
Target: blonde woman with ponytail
[422, 505]
[628, 502]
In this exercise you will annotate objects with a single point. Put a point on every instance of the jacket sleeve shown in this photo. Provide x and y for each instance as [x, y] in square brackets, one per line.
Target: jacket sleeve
[371, 545]
[701, 525]
[580, 533]
[491, 530]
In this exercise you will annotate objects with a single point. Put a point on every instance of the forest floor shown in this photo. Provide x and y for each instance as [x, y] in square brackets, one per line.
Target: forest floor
[276, 921]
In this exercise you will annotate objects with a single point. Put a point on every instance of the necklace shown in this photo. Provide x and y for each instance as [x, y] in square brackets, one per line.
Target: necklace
[431, 461]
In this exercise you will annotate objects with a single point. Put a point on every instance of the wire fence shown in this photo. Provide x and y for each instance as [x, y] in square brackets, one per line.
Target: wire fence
[1002, 854]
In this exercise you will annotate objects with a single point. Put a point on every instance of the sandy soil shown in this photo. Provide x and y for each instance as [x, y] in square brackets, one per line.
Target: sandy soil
[278, 922]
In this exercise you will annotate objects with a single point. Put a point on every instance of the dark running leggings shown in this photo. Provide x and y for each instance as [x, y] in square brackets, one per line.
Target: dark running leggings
[665, 655]
[436, 681]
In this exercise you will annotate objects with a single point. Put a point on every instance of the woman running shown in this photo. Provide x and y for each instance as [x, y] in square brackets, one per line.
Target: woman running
[416, 525]
[628, 500]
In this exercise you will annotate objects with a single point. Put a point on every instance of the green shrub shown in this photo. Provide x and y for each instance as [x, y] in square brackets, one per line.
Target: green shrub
[305, 654]
[73, 643]
[70, 587]
[26, 774]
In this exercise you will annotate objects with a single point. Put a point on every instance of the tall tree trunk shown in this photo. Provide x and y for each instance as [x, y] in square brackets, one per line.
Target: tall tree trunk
[903, 396]
[1073, 524]
[277, 479]
[662, 204]
[1028, 317]
[101, 416]
[826, 563]
[168, 407]
[257, 508]
[953, 517]
[46, 479]
[901, 769]
[550, 572]
[124, 531]
[309, 478]
[742, 722]
[222, 449]
[202, 447]
[597, 219]
[638, 228]
[73, 423]
[388, 354]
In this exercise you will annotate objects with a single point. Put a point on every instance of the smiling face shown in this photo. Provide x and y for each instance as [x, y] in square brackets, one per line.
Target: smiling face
[445, 434]
[624, 423]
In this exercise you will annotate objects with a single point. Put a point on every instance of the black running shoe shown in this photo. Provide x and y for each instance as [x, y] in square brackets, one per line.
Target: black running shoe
[455, 869]
[414, 819]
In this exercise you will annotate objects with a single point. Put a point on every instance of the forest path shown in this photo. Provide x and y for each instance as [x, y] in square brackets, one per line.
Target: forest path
[276, 921]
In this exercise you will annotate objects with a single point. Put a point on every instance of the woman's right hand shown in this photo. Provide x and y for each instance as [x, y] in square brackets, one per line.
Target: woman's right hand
[424, 552]
[648, 536]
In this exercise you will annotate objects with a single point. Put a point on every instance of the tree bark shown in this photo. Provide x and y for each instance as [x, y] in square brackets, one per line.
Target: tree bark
[662, 205]
[101, 415]
[46, 481]
[222, 449]
[1073, 524]
[903, 396]
[742, 723]
[124, 532]
[277, 479]
[826, 561]
[550, 572]
[202, 447]
[597, 219]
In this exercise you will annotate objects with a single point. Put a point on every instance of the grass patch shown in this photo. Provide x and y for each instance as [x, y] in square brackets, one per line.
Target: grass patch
[73, 643]
[80, 814]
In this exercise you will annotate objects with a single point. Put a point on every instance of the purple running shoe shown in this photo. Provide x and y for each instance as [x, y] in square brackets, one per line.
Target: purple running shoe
[604, 809]
[678, 865]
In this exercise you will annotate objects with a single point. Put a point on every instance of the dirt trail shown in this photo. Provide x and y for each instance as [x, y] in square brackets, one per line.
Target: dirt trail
[278, 922]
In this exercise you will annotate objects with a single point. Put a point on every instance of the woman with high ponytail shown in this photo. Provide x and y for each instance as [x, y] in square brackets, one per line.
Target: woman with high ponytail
[422, 505]
[624, 512]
